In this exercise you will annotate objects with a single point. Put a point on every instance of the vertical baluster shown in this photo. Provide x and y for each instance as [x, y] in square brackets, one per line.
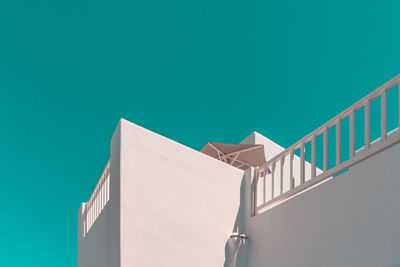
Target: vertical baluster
[108, 186]
[101, 193]
[282, 163]
[104, 191]
[93, 209]
[325, 149]
[291, 181]
[265, 185]
[302, 163]
[272, 179]
[95, 205]
[98, 201]
[89, 215]
[352, 135]
[85, 220]
[384, 114]
[99, 198]
[255, 190]
[92, 212]
[313, 156]
[367, 124]
[338, 142]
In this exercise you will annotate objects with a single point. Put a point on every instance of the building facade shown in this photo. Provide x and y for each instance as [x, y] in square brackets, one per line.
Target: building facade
[160, 203]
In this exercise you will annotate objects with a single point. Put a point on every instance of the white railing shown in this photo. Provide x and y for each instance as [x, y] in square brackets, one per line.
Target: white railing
[98, 199]
[370, 148]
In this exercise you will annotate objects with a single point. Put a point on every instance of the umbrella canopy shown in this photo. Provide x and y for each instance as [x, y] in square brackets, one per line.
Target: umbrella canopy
[241, 156]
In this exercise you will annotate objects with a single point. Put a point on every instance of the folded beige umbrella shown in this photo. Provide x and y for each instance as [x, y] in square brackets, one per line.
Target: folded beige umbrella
[241, 156]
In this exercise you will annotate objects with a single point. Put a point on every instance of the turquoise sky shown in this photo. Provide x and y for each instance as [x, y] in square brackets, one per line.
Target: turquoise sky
[194, 71]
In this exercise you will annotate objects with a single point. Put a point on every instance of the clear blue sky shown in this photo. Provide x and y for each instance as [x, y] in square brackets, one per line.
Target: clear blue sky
[194, 71]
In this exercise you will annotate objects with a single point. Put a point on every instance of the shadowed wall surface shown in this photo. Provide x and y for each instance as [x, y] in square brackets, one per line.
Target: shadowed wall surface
[194, 71]
[350, 220]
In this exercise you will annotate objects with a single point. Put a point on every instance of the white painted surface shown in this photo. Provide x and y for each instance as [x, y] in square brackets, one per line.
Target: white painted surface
[271, 149]
[173, 206]
[350, 220]
[93, 250]
[100, 247]
[178, 206]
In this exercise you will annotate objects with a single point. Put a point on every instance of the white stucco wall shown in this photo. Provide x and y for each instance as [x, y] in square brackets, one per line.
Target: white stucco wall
[100, 247]
[350, 220]
[178, 206]
[174, 206]
[271, 149]
[93, 250]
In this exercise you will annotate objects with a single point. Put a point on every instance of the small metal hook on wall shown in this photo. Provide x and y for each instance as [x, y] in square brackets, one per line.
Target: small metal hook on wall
[243, 236]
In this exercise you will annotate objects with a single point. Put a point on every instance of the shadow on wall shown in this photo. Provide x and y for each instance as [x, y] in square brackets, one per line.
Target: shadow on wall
[236, 254]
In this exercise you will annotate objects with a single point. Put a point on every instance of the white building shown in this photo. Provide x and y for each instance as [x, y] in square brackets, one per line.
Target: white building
[160, 203]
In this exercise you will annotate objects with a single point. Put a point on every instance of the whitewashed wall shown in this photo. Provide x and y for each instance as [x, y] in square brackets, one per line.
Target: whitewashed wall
[178, 206]
[93, 250]
[100, 246]
[173, 206]
[271, 149]
[350, 220]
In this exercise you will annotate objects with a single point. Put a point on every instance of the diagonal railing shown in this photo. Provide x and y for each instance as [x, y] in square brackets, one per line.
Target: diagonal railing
[285, 159]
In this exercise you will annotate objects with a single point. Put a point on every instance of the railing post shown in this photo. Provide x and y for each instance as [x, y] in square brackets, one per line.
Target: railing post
[85, 220]
[384, 114]
[265, 185]
[100, 195]
[107, 185]
[255, 189]
[325, 149]
[338, 141]
[88, 215]
[313, 157]
[291, 169]
[367, 124]
[272, 179]
[302, 163]
[282, 163]
[352, 136]
[105, 189]
[96, 204]
[91, 214]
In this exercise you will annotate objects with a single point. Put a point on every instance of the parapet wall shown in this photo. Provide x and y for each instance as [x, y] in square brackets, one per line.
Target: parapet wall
[350, 220]
[178, 206]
